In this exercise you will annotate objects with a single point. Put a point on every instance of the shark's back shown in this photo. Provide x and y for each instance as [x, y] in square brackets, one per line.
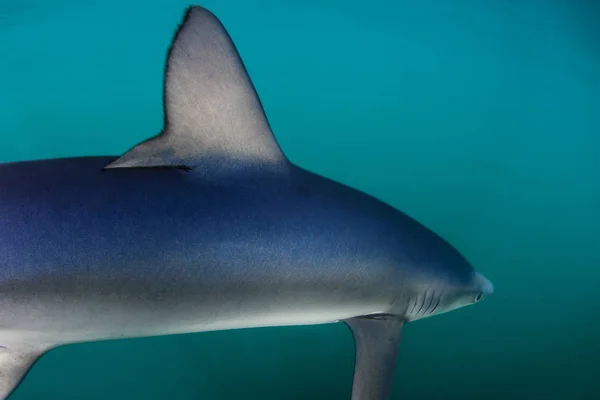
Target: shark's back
[77, 235]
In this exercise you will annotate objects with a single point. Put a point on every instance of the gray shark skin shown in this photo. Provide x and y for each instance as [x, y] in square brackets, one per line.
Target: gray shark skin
[207, 226]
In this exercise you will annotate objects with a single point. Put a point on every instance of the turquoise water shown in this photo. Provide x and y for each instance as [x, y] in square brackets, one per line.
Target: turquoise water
[480, 119]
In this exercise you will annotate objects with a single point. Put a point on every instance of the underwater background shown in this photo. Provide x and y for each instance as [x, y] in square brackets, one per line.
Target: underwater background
[481, 119]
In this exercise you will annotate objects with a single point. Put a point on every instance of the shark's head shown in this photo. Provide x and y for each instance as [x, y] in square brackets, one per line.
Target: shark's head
[440, 296]
[435, 276]
[458, 296]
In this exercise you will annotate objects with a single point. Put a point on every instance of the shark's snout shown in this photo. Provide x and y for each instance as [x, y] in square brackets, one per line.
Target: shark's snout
[486, 286]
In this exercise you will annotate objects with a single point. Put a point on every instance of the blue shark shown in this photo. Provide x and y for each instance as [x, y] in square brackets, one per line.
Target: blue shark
[208, 226]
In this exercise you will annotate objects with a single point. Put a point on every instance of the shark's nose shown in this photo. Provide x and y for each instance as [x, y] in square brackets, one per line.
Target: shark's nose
[486, 285]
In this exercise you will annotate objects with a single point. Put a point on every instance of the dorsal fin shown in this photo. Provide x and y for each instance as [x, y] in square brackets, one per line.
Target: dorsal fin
[213, 116]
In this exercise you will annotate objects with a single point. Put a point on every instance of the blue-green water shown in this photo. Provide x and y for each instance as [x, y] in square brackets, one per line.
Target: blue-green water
[480, 119]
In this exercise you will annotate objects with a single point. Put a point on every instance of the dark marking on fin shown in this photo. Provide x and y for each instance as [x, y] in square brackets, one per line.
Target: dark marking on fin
[376, 340]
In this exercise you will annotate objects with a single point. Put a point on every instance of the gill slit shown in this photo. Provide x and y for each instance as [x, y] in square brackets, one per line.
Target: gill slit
[437, 303]
[424, 298]
[414, 305]
[431, 300]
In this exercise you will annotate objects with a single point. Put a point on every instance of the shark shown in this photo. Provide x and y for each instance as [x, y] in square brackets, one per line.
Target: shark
[207, 226]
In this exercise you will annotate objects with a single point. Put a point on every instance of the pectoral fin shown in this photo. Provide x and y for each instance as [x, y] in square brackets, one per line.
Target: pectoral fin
[376, 341]
[14, 365]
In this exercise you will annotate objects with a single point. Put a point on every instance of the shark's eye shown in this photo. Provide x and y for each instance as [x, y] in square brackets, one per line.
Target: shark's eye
[479, 297]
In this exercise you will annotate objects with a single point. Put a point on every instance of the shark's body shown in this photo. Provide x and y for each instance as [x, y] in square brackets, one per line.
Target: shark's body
[137, 252]
[208, 227]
